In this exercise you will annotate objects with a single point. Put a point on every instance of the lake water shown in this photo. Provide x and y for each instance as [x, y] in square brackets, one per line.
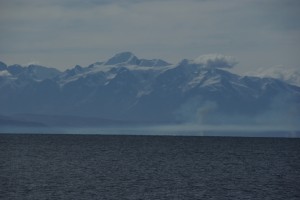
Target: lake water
[43, 166]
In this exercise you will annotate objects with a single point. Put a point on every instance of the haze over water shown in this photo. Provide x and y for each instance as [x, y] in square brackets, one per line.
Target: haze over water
[164, 130]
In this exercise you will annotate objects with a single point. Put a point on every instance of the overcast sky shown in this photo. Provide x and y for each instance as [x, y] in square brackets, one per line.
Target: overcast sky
[63, 33]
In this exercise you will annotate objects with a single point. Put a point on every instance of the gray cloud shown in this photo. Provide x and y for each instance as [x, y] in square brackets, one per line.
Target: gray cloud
[67, 32]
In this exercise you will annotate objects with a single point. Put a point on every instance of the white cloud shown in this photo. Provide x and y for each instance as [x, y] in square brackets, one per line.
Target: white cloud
[289, 75]
[4, 73]
[216, 61]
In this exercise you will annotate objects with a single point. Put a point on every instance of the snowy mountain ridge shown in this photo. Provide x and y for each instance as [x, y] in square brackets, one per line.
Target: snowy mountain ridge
[128, 88]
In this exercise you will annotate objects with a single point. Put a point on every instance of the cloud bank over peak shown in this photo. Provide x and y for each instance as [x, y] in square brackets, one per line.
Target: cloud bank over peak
[290, 75]
[215, 61]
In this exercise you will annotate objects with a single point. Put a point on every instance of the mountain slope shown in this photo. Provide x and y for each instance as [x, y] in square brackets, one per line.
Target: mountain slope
[128, 88]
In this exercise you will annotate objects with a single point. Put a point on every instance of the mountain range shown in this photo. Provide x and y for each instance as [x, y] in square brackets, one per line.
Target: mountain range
[127, 88]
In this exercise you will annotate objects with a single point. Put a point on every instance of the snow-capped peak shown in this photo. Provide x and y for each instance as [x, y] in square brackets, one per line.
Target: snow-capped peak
[122, 58]
[153, 63]
[128, 58]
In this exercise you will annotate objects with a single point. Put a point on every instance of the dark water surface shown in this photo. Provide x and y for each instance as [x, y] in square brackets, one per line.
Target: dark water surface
[148, 167]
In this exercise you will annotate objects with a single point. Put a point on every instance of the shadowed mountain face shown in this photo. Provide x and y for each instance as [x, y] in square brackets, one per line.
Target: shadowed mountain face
[128, 88]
